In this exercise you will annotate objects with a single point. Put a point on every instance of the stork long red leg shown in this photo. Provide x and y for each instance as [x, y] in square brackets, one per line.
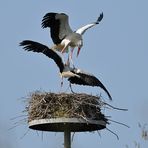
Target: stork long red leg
[67, 42]
[71, 88]
[62, 83]
[70, 57]
[78, 52]
[71, 53]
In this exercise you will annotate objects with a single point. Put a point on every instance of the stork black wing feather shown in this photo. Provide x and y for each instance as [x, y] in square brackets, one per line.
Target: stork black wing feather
[88, 80]
[77, 80]
[50, 21]
[40, 48]
[100, 18]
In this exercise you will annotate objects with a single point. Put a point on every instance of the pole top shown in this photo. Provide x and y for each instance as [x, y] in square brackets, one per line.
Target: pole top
[71, 124]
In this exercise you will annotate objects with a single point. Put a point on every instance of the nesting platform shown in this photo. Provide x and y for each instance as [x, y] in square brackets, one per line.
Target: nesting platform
[65, 111]
[73, 124]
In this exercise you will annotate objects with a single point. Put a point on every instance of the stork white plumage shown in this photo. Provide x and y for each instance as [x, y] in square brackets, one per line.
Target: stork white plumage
[74, 75]
[61, 33]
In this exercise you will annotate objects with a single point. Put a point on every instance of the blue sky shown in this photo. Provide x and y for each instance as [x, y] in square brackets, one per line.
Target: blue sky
[116, 51]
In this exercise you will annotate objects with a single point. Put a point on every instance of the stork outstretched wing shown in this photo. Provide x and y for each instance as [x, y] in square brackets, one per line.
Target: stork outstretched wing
[40, 48]
[83, 29]
[58, 24]
[83, 78]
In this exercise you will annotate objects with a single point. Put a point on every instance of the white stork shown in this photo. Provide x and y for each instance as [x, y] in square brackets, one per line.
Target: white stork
[74, 75]
[61, 33]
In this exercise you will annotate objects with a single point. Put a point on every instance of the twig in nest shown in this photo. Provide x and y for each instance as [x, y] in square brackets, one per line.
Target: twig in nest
[119, 123]
[113, 133]
[72, 137]
[115, 107]
[25, 134]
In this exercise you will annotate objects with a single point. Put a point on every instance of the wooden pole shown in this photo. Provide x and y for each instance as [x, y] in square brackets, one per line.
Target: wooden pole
[67, 139]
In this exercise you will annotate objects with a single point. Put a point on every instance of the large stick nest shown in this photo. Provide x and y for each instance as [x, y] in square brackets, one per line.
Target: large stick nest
[44, 105]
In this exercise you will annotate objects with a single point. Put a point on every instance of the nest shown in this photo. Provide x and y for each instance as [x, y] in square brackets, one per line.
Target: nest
[44, 105]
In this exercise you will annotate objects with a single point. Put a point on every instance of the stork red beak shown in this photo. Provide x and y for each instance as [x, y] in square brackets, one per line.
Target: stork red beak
[78, 51]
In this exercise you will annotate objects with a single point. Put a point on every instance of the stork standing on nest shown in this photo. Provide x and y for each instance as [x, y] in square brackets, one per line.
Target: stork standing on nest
[61, 33]
[74, 75]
